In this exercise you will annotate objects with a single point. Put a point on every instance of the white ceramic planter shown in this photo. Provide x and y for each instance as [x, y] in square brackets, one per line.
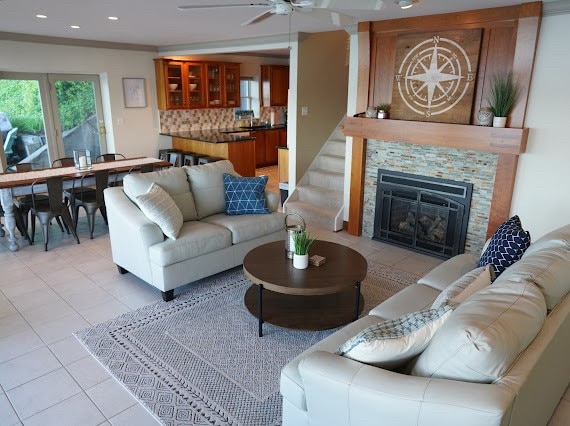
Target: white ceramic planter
[499, 121]
[300, 261]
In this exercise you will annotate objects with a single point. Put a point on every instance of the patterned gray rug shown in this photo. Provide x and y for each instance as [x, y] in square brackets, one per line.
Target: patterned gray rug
[198, 361]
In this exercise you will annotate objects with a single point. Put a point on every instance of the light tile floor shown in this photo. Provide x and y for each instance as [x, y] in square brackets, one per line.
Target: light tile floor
[46, 376]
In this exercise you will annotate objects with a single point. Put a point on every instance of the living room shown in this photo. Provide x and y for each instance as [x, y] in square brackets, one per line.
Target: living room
[135, 132]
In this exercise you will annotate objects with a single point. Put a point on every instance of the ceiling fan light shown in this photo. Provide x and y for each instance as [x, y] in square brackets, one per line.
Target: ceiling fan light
[405, 4]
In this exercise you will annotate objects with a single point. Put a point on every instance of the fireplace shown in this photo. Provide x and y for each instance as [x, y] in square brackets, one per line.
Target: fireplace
[423, 213]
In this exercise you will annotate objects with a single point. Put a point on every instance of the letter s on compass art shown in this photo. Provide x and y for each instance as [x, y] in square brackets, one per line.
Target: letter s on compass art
[435, 76]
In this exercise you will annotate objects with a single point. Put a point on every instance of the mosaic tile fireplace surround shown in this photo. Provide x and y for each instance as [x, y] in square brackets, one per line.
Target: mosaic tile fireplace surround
[469, 166]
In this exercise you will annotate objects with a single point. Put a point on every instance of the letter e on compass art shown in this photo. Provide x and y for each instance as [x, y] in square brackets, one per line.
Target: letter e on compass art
[434, 76]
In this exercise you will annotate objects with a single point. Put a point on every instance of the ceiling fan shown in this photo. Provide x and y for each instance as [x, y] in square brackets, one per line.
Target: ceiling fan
[326, 10]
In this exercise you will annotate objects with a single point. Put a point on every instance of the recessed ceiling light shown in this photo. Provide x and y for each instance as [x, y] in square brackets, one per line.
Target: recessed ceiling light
[113, 18]
[41, 16]
[75, 27]
[405, 4]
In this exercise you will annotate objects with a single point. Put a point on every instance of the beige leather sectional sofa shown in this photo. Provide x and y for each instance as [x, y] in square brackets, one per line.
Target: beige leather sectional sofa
[208, 242]
[501, 358]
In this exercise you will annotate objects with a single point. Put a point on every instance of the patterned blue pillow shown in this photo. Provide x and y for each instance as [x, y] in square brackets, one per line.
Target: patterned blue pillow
[245, 195]
[506, 247]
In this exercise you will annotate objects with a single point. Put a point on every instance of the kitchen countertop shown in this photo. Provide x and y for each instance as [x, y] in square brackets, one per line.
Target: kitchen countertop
[236, 134]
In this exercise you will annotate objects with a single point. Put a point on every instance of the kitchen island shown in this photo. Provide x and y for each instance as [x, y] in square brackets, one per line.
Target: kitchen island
[236, 146]
[247, 148]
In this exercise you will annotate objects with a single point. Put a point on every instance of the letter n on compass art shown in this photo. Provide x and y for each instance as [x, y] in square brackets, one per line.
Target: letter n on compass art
[434, 76]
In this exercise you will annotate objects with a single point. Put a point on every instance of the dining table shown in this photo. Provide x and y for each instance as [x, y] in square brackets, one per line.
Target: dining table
[20, 183]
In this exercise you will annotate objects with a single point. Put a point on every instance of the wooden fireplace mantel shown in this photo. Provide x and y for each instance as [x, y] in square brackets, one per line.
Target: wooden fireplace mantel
[459, 136]
[508, 143]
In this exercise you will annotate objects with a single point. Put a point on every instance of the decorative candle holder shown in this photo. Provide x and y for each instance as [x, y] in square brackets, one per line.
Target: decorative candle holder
[82, 159]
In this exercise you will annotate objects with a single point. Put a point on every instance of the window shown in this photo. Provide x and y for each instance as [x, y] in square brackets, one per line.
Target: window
[249, 92]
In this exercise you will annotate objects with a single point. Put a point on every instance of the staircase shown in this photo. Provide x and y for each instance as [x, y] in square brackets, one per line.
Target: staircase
[319, 195]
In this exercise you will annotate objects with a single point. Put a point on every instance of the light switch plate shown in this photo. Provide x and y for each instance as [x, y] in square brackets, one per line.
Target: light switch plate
[304, 110]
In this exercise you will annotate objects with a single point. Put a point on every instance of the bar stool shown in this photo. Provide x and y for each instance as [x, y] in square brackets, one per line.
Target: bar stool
[173, 156]
[191, 158]
[206, 160]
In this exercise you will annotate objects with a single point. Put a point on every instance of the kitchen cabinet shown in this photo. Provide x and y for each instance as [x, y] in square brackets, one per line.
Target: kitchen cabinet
[189, 84]
[274, 85]
[283, 137]
[266, 143]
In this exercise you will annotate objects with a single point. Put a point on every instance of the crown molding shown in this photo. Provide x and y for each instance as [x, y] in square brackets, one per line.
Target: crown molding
[62, 41]
[559, 7]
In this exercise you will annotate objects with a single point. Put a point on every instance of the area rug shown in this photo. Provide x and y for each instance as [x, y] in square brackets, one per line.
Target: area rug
[198, 360]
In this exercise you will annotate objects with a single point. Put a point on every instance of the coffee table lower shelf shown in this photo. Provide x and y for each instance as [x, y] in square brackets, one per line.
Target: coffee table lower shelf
[321, 312]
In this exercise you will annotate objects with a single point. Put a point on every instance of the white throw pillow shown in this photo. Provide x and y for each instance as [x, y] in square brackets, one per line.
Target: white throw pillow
[485, 334]
[160, 208]
[465, 286]
[390, 344]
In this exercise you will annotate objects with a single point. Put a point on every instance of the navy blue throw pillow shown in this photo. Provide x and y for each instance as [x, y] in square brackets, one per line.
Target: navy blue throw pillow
[506, 247]
[245, 195]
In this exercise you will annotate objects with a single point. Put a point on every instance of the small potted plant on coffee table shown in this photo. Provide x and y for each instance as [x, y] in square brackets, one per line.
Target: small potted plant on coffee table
[302, 242]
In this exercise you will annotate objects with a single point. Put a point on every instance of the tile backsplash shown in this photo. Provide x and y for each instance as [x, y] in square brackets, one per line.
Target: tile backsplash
[203, 119]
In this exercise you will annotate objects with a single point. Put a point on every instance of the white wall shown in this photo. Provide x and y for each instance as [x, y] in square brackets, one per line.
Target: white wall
[541, 195]
[130, 131]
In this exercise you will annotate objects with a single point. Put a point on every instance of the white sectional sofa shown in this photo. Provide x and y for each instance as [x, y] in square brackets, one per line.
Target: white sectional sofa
[501, 358]
[208, 242]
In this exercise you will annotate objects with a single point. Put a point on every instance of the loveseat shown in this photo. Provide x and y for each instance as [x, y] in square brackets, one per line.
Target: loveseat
[502, 357]
[208, 240]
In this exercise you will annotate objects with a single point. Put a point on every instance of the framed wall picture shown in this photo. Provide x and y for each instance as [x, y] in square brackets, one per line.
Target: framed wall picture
[134, 92]
[435, 75]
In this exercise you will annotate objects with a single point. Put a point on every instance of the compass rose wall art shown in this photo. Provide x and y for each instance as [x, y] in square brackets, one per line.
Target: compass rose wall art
[435, 75]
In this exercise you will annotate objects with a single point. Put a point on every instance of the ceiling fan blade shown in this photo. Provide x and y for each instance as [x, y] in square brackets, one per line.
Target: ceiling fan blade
[349, 4]
[214, 6]
[258, 18]
[329, 16]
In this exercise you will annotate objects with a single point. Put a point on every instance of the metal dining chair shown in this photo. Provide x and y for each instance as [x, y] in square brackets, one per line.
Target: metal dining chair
[109, 157]
[63, 162]
[55, 208]
[91, 200]
[22, 227]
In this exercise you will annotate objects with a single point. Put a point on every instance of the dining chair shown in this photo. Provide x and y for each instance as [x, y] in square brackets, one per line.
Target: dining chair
[63, 162]
[92, 200]
[109, 157]
[145, 168]
[55, 208]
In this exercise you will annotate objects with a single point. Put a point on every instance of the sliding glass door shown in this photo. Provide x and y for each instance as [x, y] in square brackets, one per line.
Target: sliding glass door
[47, 116]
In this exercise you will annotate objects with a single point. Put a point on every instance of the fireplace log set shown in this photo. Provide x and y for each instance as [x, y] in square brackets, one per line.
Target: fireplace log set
[429, 229]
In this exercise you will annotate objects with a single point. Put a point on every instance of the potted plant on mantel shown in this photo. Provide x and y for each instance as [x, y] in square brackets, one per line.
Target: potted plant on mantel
[302, 242]
[383, 110]
[504, 93]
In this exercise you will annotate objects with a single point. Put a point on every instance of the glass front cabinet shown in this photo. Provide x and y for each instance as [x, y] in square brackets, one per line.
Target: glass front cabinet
[187, 84]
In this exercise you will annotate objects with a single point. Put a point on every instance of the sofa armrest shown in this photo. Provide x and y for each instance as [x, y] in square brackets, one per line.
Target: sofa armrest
[273, 200]
[342, 391]
[131, 233]
[447, 272]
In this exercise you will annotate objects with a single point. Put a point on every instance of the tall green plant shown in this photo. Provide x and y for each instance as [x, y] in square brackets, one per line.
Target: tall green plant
[504, 93]
[302, 242]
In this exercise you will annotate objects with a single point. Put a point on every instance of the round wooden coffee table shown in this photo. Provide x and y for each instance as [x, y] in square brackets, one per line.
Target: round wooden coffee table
[316, 298]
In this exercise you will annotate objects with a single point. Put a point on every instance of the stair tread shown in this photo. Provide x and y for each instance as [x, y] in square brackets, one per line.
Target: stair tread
[311, 207]
[329, 191]
[327, 172]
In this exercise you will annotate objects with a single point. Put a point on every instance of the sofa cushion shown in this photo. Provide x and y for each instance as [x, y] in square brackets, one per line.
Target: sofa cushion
[207, 185]
[507, 246]
[560, 237]
[172, 180]
[195, 239]
[159, 207]
[415, 297]
[390, 344]
[462, 288]
[245, 195]
[248, 227]
[484, 334]
[549, 269]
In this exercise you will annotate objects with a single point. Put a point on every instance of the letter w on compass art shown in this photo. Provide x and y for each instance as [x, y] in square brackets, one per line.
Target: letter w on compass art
[435, 76]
